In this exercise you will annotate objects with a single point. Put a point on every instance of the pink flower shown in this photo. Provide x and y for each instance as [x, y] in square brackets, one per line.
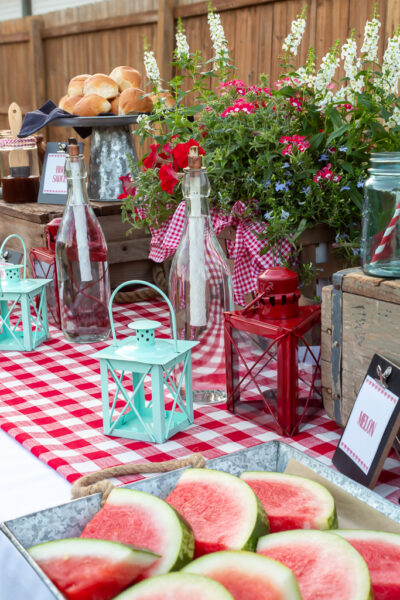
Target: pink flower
[240, 105]
[298, 141]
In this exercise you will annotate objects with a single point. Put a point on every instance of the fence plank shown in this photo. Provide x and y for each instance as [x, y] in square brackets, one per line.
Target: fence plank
[36, 62]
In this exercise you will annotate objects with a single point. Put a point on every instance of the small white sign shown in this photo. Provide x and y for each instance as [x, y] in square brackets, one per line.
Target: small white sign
[367, 423]
[55, 181]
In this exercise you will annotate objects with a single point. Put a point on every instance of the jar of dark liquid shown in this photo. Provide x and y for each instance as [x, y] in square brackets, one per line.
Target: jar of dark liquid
[20, 169]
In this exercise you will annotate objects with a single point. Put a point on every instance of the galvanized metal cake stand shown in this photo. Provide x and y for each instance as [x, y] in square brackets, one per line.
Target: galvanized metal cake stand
[111, 146]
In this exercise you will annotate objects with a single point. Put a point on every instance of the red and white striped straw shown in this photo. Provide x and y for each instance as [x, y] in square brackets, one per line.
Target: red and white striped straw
[387, 234]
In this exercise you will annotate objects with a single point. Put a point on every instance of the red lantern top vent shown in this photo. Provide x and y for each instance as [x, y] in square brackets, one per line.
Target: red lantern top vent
[278, 296]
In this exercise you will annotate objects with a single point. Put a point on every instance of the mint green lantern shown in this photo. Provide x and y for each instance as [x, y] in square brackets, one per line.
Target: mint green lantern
[23, 309]
[128, 362]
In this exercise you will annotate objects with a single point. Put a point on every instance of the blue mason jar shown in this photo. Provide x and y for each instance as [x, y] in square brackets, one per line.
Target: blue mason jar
[380, 246]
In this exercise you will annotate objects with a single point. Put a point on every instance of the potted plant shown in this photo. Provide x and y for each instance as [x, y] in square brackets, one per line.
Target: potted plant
[288, 156]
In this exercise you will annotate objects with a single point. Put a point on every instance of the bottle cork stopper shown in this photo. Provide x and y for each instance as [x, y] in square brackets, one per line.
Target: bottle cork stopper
[194, 158]
[73, 147]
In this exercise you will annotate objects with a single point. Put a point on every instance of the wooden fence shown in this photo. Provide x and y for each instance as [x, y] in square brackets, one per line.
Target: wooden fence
[39, 54]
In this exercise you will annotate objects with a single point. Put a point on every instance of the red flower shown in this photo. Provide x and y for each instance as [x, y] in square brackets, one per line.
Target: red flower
[151, 159]
[181, 153]
[127, 186]
[168, 178]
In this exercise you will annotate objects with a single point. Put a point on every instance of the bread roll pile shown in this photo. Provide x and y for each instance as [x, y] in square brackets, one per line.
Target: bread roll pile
[118, 93]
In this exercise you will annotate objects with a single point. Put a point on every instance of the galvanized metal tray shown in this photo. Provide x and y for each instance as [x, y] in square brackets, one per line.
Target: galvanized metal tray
[68, 520]
[104, 121]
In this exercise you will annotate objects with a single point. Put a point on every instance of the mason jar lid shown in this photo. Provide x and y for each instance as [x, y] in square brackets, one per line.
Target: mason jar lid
[12, 143]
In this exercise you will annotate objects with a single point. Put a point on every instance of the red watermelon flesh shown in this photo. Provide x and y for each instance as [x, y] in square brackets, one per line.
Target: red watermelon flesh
[247, 575]
[144, 521]
[223, 511]
[292, 502]
[325, 570]
[381, 552]
[91, 569]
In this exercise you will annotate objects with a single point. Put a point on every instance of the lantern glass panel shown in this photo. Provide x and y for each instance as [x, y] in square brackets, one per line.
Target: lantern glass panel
[309, 373]
[46, 270]
[254, 378]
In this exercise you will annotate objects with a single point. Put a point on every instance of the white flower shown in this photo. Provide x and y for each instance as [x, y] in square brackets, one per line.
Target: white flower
[391, 65]
[371, 39]
[218, 38]
[182, 46]
[352, 65]
[394, 119]
[325, 100]
[324, 77]
[152, 70]
[292, 41]
[144, 122]
[305, 77]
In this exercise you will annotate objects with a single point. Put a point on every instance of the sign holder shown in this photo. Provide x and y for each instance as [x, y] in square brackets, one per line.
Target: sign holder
[53, 185]
[373, 424]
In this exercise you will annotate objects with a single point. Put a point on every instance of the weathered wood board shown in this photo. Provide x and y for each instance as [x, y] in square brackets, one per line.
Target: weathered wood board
[370, 323]
[127, 253]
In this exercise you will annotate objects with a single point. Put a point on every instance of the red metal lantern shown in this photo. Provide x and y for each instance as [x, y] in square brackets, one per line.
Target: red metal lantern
[43, 263]
[272, 350]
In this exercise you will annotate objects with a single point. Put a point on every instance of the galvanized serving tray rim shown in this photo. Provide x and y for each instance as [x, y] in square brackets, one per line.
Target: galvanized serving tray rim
[235, 463]
[105, 121]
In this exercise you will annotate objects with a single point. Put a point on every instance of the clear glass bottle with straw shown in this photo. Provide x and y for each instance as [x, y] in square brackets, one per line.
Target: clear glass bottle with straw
[200, 286]
[81, 257]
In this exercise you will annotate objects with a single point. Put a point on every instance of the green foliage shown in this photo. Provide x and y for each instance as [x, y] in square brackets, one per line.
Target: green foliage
[315, 177]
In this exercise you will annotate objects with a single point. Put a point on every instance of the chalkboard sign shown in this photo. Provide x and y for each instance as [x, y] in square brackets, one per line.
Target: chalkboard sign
[53, 184]
[373, 424]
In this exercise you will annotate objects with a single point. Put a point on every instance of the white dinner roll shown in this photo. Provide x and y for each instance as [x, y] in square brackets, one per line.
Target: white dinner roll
[91, 105]
[67, 103]
[75, 86]
[126, 77]
[131, 101]
[102, 85]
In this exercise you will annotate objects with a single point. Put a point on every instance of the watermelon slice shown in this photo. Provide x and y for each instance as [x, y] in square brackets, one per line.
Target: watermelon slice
[325, 570]
[222, 510]
[246, 575]
[174, 586]
[144, 521]
[381, 552]
[293, 502]
[91, 569]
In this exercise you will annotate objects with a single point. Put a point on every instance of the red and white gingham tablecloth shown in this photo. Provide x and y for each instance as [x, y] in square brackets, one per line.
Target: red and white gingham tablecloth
[245, 250]
[50, 402]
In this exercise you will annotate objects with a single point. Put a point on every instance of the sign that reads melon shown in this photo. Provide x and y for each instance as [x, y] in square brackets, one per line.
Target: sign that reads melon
[367, 437]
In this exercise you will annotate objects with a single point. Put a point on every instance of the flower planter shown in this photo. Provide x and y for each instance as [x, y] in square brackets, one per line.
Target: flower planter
[317, 247]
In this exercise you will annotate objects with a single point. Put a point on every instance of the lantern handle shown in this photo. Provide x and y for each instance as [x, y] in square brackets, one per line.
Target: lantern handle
[172, 319]
[23, 246]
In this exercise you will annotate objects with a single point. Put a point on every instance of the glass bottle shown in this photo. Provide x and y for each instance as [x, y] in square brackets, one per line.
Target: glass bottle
[380, 246]
[81, 257]
[200, 286]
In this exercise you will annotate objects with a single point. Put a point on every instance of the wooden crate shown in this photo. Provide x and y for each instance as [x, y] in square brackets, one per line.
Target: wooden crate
[360, 316]
[127, 254]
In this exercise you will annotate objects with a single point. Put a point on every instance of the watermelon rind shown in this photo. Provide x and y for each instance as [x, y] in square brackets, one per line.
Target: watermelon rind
[75, 547]
[247, 564]
[327, 518]
[180, 536]
[334, 557]
[254, 520]
[176, 586]
[382, 558]
[83, 568]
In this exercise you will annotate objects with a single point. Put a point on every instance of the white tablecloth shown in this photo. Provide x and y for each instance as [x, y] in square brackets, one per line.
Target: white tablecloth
[27, 485]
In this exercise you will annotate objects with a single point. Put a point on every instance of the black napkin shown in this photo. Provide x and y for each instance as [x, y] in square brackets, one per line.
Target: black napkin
[43, 116]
